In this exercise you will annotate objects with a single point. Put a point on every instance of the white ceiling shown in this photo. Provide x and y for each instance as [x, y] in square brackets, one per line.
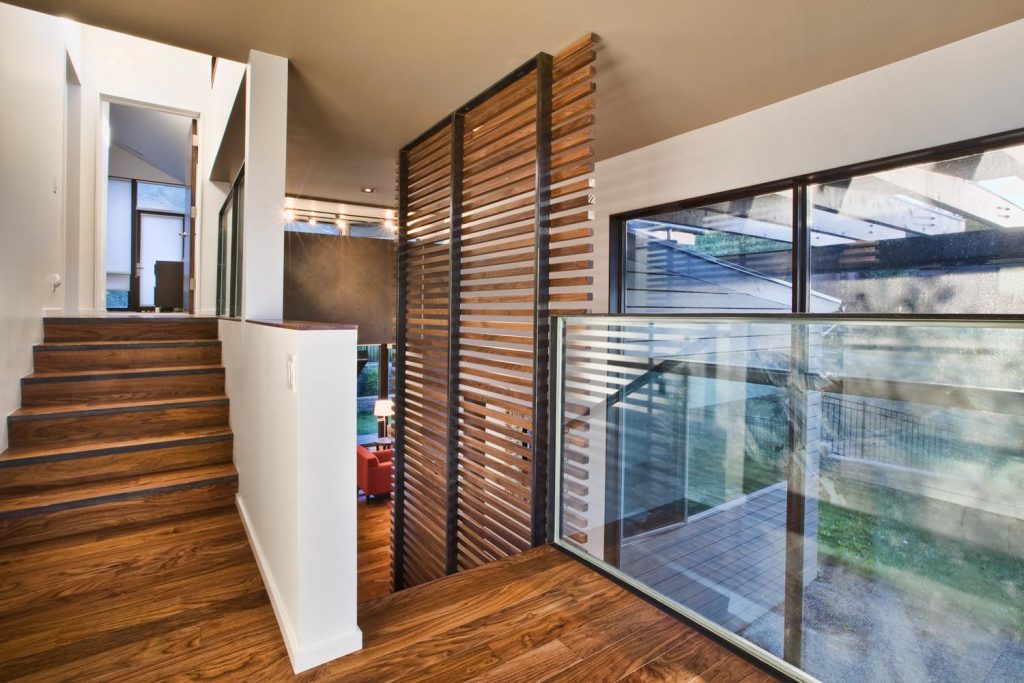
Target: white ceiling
[368, 76]
[161, 139]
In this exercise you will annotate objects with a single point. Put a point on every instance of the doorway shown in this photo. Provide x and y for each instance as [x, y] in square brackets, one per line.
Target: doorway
[150, 210]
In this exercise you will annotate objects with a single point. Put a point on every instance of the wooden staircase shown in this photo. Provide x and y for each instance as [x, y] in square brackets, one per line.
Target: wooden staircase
[124, 422]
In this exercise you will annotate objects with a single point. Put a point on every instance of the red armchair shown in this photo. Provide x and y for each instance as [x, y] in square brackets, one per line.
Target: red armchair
[373, 473]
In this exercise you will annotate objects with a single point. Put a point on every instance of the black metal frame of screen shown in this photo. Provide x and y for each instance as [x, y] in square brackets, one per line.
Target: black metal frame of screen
[801, 267]
[797, 379]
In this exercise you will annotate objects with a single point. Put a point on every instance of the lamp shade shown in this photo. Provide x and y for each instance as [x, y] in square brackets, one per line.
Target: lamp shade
[383, 408]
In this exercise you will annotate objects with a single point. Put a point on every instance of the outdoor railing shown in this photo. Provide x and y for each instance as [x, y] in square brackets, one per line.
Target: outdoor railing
[841, 497]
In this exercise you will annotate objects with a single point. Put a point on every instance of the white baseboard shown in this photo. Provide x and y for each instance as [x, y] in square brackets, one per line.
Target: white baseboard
[302, 656]
[53, 312]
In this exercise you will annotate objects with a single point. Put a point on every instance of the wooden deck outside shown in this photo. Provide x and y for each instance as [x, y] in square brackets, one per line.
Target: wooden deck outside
[728, 564]
[183, 600]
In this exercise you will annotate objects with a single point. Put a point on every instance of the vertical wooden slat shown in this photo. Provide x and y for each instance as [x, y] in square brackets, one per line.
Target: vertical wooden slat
[572, 125]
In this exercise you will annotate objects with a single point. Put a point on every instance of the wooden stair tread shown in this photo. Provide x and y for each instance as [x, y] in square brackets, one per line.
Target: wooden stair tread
[80, 408]
[87, 494]
[124, 343]
[125, 373]
[15, 455]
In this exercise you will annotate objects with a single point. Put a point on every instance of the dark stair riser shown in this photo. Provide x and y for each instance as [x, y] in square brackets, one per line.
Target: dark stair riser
[125, 356]
[153, 386]
[51, 472]
[77, 427]
[128, 329]
[31, 526]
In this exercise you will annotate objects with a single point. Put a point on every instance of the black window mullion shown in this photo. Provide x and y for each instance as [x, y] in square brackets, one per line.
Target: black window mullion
[801, 249]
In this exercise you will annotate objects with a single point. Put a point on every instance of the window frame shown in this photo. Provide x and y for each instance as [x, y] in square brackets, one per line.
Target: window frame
[799, 184]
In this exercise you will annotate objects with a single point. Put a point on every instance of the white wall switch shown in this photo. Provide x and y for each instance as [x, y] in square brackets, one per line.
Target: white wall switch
[291, 372]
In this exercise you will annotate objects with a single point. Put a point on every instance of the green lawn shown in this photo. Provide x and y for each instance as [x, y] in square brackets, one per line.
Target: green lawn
[366, 423]
[986, 582]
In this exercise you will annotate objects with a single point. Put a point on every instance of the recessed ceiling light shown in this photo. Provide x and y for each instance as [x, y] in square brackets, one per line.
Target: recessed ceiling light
[369, 190]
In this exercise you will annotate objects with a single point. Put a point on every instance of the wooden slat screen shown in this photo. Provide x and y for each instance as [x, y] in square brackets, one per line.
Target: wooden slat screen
[519, 185]
[423, 394]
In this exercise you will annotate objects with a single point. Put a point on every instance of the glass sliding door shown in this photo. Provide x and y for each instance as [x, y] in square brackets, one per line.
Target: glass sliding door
[161, 257]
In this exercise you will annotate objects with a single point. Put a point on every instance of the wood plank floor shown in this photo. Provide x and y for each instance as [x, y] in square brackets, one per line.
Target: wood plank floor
[183, 600]
[374, 524]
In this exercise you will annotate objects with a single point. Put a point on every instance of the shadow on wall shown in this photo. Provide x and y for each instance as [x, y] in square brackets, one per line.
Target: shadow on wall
[329, 278]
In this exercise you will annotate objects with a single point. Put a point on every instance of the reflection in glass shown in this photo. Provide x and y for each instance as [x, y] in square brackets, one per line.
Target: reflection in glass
[864, 475]
[945, 237]
[732, 256]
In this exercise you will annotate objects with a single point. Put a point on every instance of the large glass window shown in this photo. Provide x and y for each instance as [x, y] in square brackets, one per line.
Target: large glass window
[942, 237]
[160, 197]
[342, 227]
[375, 378]
[732, 256]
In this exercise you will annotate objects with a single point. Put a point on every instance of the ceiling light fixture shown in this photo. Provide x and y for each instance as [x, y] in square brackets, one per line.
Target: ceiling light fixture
[369, 190]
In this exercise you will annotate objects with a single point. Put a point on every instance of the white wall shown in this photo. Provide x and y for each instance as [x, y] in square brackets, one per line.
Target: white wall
[959, 91]
[226, 82]
[119, 67]
[266, 134]
[295, 454]
[32, 78]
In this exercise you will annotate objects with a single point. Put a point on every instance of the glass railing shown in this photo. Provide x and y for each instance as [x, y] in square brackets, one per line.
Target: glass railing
[843, 498]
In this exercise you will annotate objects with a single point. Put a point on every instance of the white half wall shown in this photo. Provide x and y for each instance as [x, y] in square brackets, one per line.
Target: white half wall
[294, 448]
[33, 77]
[963, 90]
